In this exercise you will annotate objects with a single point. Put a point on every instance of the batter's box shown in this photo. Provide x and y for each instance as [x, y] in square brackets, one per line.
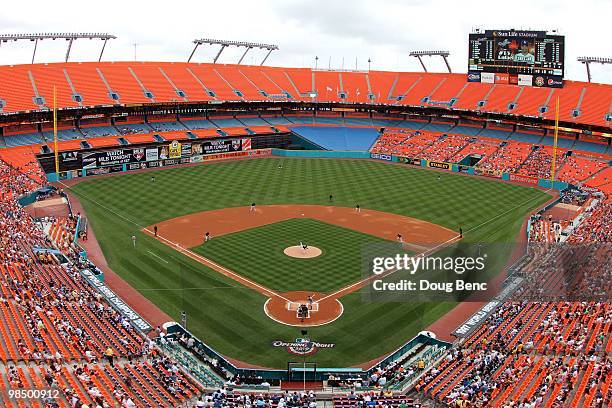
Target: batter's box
[295, 306]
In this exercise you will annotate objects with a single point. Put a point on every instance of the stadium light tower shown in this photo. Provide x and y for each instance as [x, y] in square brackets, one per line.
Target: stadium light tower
[224, 43]
[420, 54]
[70, 37]
[587, 60]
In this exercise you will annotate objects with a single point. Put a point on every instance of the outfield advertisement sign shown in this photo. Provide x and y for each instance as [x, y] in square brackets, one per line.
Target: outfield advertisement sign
[381, 156]
[137, 321]
[439, 165]
[479, 171]
[146, 157]
[524, 179]
[409, 160]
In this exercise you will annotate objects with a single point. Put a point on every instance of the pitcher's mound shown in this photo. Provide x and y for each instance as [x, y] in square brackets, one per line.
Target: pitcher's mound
[299, 252]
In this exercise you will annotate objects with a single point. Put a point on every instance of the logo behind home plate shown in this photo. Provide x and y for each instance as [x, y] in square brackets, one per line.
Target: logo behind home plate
[302, 347]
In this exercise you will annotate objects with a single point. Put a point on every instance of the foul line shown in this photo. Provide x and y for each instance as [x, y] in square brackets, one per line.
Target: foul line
[193, 255]
[425, 253]
[157, 256]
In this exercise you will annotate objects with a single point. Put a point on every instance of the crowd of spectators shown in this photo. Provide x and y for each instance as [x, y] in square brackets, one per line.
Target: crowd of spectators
[63, 326]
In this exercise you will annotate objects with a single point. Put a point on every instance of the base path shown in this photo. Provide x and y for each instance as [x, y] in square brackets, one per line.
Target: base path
[188, 231]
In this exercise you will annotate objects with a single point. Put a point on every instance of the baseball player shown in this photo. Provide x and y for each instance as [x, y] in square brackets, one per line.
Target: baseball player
[252, 207]
[207, 236]
[134, 240]
[155, 231]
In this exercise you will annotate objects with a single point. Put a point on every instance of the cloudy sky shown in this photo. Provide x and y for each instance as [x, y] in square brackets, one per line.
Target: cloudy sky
[334, 30]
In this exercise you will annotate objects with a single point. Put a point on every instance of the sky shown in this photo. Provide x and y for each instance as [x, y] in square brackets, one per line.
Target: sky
[343, 34]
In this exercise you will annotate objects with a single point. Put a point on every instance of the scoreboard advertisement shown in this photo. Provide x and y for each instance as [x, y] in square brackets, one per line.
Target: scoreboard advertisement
[526, 58]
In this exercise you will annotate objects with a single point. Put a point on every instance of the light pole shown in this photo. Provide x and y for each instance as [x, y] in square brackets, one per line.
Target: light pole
[316, 62]
[369, 63]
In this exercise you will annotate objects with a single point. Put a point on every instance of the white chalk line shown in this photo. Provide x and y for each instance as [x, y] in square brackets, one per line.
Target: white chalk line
[425, 253]
[157, 256]
[188, 252]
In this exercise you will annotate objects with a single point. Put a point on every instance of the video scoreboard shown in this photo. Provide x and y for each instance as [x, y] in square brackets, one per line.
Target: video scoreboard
[532, 58]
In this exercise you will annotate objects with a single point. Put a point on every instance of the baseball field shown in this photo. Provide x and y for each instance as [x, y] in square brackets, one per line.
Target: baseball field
[224, 285]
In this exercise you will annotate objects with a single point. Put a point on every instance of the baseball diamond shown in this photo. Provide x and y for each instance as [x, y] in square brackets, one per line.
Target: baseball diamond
[207, 279]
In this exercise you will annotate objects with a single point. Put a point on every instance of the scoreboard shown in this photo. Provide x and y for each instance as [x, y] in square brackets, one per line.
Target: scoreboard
[534, 56]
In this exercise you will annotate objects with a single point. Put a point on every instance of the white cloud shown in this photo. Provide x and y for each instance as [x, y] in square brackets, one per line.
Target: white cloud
[383, 30]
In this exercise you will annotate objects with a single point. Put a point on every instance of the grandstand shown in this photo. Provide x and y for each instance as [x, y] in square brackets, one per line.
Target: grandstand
[81, 335]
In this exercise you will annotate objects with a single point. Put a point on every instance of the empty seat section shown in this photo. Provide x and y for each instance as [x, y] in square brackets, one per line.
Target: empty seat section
[49, 76]
[185, 81]
[404, 83]
[16, 89]
[153, 81]
[239, 82]
[471, 95]
[328, 86]
[261, 81]
[568, 101]
[207, 75]
[596, 104]
[355, 86]
[449, 88]
[88, 84]
[531, 100]
[278, 77]
[381, 83]
[302, 79]
[421, 89]
[121, 81]
[499, 99]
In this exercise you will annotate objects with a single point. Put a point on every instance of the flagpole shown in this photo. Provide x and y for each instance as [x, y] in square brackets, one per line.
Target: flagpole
[55, 131]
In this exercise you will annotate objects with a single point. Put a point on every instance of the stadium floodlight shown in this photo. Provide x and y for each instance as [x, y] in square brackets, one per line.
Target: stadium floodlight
[599, 60]
[420, 54]
[226, 43]
[70, 37]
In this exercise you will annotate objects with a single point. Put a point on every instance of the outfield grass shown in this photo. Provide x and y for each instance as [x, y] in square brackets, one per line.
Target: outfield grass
[338, 265]
[230, 317]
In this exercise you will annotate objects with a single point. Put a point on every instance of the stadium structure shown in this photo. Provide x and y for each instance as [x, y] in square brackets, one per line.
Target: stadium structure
[192, 234]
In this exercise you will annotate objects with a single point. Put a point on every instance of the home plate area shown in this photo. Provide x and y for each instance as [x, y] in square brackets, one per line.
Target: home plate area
[303, 308]
[295, 308]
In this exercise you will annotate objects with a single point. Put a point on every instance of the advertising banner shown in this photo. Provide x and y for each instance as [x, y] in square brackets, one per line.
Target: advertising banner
[547, 81]
[523, 179]
[152, 154]
[174, 150]
[409, 160]
[502, 78]
[525, 80]
[439, 165]
[487, 172]
[473, 76]
[381, 156]
[186, 150]
[487, 77]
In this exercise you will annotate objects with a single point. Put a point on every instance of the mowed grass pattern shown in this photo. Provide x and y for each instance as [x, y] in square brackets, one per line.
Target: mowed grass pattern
[229, 317]
[258, 255]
